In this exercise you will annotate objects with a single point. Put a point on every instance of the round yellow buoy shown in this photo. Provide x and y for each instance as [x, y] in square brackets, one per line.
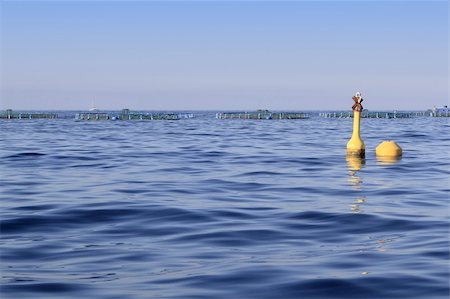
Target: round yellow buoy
[388, 149]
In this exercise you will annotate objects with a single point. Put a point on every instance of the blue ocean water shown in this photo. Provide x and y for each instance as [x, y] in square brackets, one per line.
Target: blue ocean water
[207, 208]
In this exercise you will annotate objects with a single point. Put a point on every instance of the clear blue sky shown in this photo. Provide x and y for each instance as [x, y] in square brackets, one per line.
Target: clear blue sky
[223, 54]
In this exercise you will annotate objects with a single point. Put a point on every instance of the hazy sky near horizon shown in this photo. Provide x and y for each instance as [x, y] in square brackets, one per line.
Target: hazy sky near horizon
[223, 54]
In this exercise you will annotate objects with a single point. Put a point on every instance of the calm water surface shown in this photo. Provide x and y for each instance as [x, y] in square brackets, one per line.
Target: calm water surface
[207, 208]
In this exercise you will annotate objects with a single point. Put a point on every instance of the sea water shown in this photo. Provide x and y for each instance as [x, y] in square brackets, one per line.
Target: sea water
[208, 208]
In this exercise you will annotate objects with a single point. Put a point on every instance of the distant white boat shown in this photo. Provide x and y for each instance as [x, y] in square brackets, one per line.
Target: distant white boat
[440, 111]
[93, 108]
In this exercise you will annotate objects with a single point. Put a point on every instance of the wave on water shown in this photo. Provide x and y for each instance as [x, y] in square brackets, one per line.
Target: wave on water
[209, 208]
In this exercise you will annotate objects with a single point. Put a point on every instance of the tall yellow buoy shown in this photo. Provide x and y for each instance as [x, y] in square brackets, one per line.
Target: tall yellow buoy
[355, 146]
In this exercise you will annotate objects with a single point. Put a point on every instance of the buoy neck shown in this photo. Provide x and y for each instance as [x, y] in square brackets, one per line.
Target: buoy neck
[356, 123]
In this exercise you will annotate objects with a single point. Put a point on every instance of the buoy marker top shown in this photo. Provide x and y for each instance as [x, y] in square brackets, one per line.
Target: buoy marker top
[358, 100]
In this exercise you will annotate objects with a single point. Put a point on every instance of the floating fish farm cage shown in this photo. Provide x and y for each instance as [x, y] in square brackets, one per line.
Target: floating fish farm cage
[9, 114]
[125, 114]
[367, 114]
[439, 114]
[261, 114]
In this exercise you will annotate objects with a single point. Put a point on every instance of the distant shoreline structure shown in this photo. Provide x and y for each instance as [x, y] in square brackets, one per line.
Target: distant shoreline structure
[440, 112]
[126, 114]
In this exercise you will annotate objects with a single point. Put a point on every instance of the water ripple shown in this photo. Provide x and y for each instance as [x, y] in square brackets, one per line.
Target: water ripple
[205, 208]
